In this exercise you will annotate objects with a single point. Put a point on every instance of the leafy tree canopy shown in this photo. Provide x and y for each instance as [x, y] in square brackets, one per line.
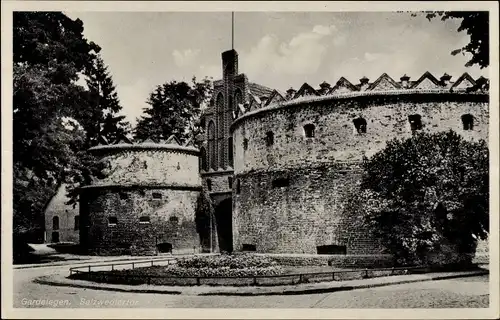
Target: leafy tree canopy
[54, 119]
[175, 108]
[427, 190]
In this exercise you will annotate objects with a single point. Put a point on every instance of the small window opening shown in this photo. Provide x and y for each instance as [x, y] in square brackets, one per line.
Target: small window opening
[77, 223]
[209, 185]
[309, 130]
[331, 249]
[157, 195]
[112, 221]
[281, 182]
[230, 155]
[238, 186]
[360, 125]
[144, 219]
[269, 139]
[248, 247]
[245, 144]
[415, 122]
[55, 223]
[174, 220]
[468, 121]
[164, 247]
[123, 196]
[230, 182]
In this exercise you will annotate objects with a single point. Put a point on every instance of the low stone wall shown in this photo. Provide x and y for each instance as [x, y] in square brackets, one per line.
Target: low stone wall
[338, 261]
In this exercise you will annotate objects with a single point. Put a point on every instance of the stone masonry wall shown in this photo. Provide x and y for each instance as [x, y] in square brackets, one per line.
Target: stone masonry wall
[154, 166]
[157, 182]
[171, 214]
[310, 211]
[297, 218]
[335, 135]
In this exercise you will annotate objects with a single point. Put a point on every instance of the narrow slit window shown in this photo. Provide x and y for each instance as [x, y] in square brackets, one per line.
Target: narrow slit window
[123, 196]
[281, 182]
[331, 249]
[230, 182]
[238, 186]
[309, 130]
[77, 223]
[112, 221]
[209, 185]
[415, 122]
[144, 219]
[269, 139]
[248, 247]
[157, 195]
[245, 144]
[360, 125]
[468, 121]
[55, 223]
[174, 220]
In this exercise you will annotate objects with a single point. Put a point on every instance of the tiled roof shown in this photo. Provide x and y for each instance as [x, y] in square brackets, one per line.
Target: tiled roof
[384, 84]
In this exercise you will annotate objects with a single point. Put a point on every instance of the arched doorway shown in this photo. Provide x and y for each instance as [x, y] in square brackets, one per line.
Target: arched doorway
[224, 219]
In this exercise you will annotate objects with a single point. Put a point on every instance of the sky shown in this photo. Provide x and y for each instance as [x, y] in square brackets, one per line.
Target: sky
[276, 49]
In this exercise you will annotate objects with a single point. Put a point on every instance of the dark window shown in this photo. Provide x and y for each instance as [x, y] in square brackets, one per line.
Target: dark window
[281, 182]
[123, 195]
[112, 221]
[77, 223]
[174, 220]
[209, 185]
[269, 139]
[203, 159]
[156, 195]
[309, 130]
[230, 181]
[468, 121]
[230, 150]
[331, 249]
[238, 186]
[144, 219]
[238, 98]
[415, 122]
[55, 223]
[164, 247]
[248, 247]
[55, 236]
[245, 144]
[220, 114]
[212, 153]
[360, 125]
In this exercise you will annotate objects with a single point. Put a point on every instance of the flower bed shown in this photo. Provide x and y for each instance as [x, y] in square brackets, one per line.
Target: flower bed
[240, 270]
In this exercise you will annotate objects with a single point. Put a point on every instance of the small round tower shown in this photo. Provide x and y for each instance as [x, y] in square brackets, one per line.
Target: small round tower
[145, 200]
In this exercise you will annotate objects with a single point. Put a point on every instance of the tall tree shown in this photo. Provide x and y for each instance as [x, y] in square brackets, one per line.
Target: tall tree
[174, 108]
[425, 191]
[49, 54]
[101, 115]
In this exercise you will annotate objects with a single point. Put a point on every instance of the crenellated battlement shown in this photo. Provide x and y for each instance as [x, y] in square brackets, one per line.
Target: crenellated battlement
[124, 143]
[383, 85]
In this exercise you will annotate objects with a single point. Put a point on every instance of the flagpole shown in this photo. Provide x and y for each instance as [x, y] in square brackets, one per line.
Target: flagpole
[232, 30]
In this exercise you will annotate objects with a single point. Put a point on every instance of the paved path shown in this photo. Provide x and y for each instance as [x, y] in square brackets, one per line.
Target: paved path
[453, 293]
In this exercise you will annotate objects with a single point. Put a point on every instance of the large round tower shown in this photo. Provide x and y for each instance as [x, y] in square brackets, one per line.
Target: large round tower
[298, 160]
